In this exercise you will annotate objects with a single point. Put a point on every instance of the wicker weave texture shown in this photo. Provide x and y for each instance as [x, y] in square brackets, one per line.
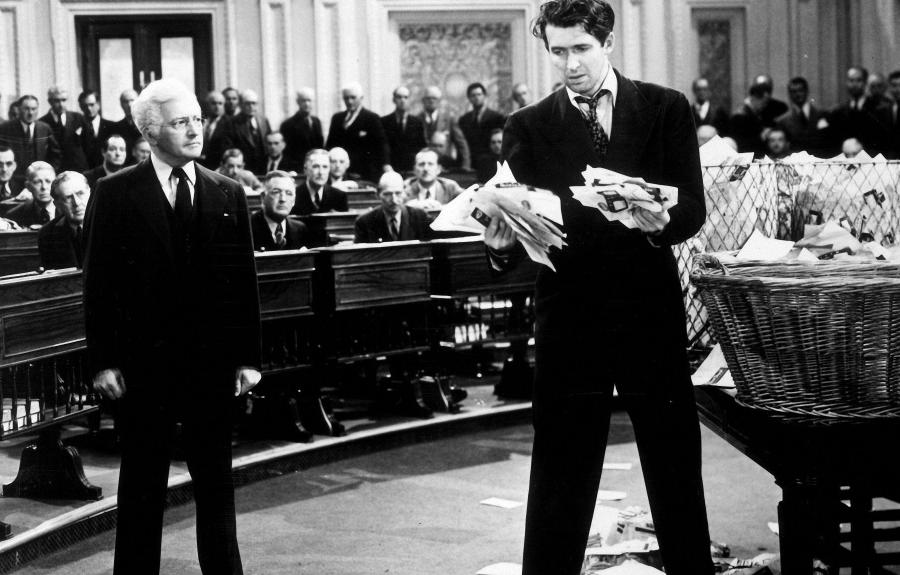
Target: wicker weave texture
[816, 339]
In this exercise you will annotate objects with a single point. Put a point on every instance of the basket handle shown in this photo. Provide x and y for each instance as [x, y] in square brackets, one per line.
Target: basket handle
[705, 263]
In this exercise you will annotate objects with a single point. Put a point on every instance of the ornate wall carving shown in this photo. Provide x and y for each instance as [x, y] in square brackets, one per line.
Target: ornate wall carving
[453, 55]
[715, 58]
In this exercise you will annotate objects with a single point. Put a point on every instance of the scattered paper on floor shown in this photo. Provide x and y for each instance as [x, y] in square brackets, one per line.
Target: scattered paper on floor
[604, 495]
[503, 503]
[617, 466]
[713, 370]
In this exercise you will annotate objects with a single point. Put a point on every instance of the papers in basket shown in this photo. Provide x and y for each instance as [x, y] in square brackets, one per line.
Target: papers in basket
[616, 195]
[533, 214]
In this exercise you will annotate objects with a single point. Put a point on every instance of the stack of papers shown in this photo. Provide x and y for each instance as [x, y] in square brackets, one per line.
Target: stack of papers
[616, 195]
[533, 214]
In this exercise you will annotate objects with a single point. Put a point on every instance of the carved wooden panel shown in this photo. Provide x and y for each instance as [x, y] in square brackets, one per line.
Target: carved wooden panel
[285, 283]
[453, 55]
[18, 252]
[460, 268]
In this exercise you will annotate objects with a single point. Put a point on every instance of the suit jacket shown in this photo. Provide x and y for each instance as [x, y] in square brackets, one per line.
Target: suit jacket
[287, 164]
[94, 174]
[58, 246]
[447, 123]
[129, 132]
[296, 234]
[864, 125]
[716, 116]
[213, 143]
[804, 132]
[892, 127]
[333, 200]
[478, 135]
[372, 226]
[43, 147]
[300, 137]
[404, 143]
[93, 142]
[238, 133]
[71, 139]
[364, 141]
[611, 287]
[152, 309]
[443, 190]
[771, 111]
[11, 189]
[746, 127]
[25, 214]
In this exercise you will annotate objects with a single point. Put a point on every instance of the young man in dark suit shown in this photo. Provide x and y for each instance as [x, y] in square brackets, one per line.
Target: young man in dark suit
[61, 242]
[478, 124]
[391, 221]
[97, 128]
[68, 129]
[172, 326]
[9, 187]
[404, 132]
[359, 131]
[316, 195]
[272, 228]
[302, 132]
[276, 159]
[612, 314]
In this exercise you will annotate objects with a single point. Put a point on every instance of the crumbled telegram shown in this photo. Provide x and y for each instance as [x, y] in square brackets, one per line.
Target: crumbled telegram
[533, 214]
[616, 195]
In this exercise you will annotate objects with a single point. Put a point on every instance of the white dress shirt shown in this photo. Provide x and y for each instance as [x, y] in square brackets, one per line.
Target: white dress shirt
[168, 182]
[605, 104]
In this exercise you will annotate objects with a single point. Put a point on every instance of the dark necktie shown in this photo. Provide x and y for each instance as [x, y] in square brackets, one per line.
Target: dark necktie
[45, 216]
[279, 236]
[395, 231]
[598, 134]
[183, 205]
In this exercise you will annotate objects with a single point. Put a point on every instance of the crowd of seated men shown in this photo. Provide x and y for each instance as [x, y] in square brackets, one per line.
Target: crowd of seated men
[867, 119]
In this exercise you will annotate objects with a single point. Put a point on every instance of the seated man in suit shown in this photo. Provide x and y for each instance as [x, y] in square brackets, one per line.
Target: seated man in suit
[316, 195]
[60, 242]
[391, 221]
[341, 177]
[113, 160]
[141, 150]
[233, 166]
[427, 190]
[275, 158]
[272, 228]
[488, 167]
[9, 187]
[40, 210]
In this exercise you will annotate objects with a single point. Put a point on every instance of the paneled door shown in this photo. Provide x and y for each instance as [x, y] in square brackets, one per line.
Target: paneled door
[121, 52]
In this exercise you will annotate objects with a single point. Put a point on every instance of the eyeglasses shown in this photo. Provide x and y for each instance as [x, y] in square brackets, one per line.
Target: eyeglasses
[181, 124]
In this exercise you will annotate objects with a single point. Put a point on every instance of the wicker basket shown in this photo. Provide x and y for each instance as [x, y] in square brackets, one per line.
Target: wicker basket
[819, 339]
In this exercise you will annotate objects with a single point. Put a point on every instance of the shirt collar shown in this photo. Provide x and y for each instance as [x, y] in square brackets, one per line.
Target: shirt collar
[164, 171]
[273, 224]
[610, 82]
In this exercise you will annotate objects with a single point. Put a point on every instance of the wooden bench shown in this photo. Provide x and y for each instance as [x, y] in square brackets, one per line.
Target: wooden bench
[19, 252]
[44, 381]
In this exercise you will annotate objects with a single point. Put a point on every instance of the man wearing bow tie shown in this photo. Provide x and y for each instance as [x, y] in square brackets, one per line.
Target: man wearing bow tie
[612, 314]
[172, 325]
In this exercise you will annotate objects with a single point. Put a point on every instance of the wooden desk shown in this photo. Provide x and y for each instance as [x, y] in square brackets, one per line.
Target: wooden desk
[18, 252]
[362, 199]
[817, 465]
[329, 228]
[460, 268]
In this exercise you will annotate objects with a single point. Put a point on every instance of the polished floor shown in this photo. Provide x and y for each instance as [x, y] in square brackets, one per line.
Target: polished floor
[415, 510]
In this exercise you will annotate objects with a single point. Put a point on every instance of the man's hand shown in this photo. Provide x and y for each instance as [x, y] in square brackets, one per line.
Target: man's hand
[245, 379]
[498, 236]
[110, 384]
[651, 223]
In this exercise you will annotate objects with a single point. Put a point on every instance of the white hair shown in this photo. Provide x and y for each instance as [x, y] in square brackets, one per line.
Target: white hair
[338, 152]
[355, 87]
[308, 92]
[146, 109]
[390, 180]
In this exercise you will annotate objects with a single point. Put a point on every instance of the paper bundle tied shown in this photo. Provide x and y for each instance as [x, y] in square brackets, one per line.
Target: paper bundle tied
[533, 214]
[616, 195]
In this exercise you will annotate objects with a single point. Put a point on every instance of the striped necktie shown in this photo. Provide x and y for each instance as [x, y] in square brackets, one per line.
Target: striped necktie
[598, 134]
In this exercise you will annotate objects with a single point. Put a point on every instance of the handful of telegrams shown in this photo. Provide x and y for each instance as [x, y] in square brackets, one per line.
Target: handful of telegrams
[533, 214]
[616, 195]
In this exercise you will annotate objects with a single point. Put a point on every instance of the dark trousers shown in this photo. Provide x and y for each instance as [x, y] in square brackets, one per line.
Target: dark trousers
[147, 434]
[569, 444]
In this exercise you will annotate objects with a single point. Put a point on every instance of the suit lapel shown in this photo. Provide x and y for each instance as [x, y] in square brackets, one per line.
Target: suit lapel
[150, 200]
[567, 130]
[211, 203]
[632, 119]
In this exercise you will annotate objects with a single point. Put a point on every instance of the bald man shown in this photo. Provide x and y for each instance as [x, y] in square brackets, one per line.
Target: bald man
[359, 131]
[302, 132]
[392, 221]
[404, 132]
[247, 132]
[126, 126]
[435, 120]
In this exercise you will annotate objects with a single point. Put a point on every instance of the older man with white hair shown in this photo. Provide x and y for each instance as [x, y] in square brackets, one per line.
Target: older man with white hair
[40, 209]
[247, 132]
[61, 242]
[303, 131]
[172, 324]
[359, 131]
[392, 221]
[341, 177]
